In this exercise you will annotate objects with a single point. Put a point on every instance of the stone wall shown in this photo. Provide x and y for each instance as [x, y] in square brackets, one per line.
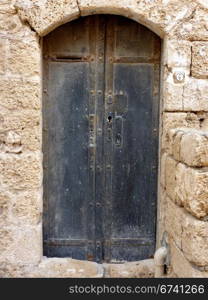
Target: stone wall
[183, 181]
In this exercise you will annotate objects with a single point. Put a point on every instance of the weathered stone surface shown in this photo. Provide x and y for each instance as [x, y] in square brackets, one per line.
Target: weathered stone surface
[6, 6]
[177, 120]
[67, 267]
[177, 53]
[161, 216]
[159, 16]
[188, 233]
[21, 140]
[196, 192]
[190, 146]
[5, 204]
[195, 95]
[194, 148]
[182, 267]
[187, 187]
[199, 67]
[19, 94]
[10, 23]
[20, 171]
[172, 96]
[203, 3]
[27, 208]
[3, 55]
[24, 58]
[170, 176]
[20, 131]
[194, 240]
[44, 16]
[194, 28]
[173, 222]
[19, 120]
[6, 239]
[140, 269]
[24, 245]
[162, 169]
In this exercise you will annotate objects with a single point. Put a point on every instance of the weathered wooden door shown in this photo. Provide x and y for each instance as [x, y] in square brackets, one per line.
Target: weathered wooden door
[101, 91]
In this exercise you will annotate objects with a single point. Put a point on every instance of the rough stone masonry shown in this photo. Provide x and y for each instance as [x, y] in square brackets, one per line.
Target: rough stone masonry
[183, 179]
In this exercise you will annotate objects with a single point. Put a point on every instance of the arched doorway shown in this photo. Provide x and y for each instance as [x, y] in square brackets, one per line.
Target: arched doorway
[100, 114]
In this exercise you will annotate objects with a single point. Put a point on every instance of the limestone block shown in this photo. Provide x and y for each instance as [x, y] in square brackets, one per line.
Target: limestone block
[67, 267]
[203, 3]
[162, 169]
[177, 53]
[140, 269]
[173, 120]
[5, 205]
[31, 138]
[7, 6]
[44, 16]
[194, 148]
[180, 188]
[175, 138]
[188, 233]
[27, 208]
[19, 94]
[6, 238]
[21, 171]
[187, 187]
[182, 267]
[194, 28]
[24, 58]
[19, 120]
[24, 246]
[3, 56]
[161, 216]
[196, 192]
[200, 59]
[10, 23]
[195, 240]
[21, 140]
[170, 176]
[173, 221]
[172, 96]
[195, 95]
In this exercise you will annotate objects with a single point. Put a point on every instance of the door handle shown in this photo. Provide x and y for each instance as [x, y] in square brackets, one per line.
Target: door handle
[118, 131]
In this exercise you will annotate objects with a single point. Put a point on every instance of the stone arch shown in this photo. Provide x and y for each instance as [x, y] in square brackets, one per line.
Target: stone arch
[159, 16]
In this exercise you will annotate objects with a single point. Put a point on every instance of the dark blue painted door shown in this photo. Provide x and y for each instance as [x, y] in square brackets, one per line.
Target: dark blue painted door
[101, 91]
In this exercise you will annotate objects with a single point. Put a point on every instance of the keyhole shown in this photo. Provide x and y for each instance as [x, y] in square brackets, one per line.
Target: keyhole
[109, 119]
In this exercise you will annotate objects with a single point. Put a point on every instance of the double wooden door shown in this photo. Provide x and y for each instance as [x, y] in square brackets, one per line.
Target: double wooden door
[100, 123]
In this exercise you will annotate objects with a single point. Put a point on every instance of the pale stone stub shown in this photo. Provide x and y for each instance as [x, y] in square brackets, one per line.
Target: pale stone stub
[200, 59]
